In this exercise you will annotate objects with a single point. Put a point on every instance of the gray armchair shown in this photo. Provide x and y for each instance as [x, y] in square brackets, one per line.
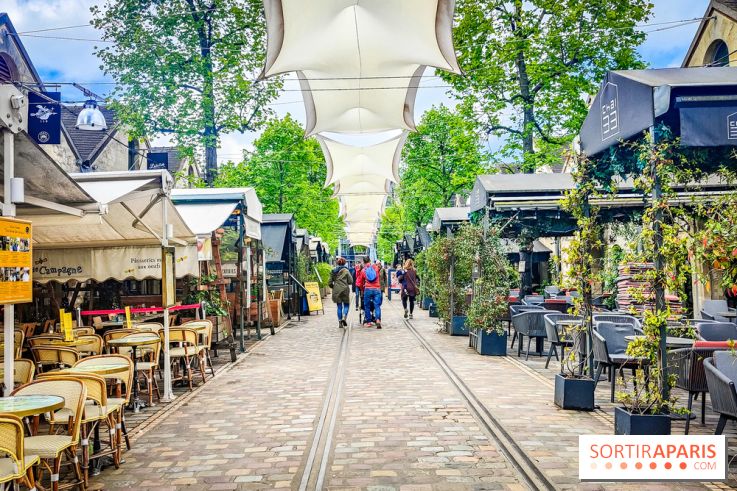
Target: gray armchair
[533, 299]
[553, 335]
[518, 309]
[721, 374]
[716, 331]
[532, 325]
[609, 352]
[619, 319]
[712, 308]
[687, 364]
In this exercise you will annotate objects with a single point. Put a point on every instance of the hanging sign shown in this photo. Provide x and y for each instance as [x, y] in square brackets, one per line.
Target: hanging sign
[157, 161]
[168, 277]
[128, 317]
[314, 299]
[15, 261]
[44, 118]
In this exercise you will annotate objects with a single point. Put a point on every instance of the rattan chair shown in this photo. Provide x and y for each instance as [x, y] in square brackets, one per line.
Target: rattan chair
[147, 368]
[49, 326]
[93, 345]
[96, 411]
[183, 347]
[124, 380]
[688, 366]
[553, 335]
[17, 465]
[43, 339]
[204, 329]
[18, 339]
[148, 326]
[53, 357]
[97, 322]
[721, 375]
[84, 331]
[29, 329]
[23, 371]
[54, 447]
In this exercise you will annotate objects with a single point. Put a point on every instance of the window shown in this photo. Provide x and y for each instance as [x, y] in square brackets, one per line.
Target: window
[8, 70]
[718, 54]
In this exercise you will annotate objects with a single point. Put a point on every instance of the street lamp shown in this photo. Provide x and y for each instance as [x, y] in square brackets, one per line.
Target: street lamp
[90, 118]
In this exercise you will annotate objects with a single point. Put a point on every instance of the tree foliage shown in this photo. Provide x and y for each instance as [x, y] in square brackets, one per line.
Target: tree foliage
[528, 64]
[439, 161]
[393, 227]
[288, 173]
[187, 67]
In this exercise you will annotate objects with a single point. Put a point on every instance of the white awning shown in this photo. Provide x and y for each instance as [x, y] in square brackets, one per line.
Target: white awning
[206, 209]
[380, 161]
[204, 218]
[362, 184]
[117, 263]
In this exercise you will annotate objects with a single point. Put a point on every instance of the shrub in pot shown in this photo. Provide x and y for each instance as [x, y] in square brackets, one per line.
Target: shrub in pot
[574, 390]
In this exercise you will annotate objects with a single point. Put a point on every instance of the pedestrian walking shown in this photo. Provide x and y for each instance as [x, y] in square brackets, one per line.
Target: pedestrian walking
[341, 282]
[410, 287]
[370, 282]
[356, 287]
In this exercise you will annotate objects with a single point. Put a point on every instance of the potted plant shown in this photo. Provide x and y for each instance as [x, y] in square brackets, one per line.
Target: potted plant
[644, 410]
[574, 390]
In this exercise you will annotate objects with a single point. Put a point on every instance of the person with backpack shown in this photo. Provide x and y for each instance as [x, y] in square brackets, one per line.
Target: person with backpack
[410, 287]
[341, 282]
[370, 283]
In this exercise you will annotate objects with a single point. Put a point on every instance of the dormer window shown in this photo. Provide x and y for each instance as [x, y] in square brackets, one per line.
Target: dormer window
[717, 54]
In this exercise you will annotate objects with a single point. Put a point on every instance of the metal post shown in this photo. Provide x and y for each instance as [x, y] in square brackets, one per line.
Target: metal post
[659, 263]
[451, 281]
[9, 309]
[168, 392]
[588, 304]
[241, 287]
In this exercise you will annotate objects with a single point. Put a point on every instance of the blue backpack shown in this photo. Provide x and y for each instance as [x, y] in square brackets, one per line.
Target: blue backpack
[370, 273]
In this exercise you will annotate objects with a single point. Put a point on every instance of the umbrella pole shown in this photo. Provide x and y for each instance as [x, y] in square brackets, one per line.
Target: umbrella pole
[9, 311]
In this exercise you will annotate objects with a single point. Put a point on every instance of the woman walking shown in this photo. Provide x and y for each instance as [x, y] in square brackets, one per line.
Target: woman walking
[341, 282]
[410, 287]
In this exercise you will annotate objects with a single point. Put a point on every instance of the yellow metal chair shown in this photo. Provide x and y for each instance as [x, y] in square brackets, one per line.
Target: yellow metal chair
[17, 465]
[54, 448]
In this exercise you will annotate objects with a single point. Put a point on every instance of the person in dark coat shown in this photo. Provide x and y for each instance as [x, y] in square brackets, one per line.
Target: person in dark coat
[341, 282]
[410, 287]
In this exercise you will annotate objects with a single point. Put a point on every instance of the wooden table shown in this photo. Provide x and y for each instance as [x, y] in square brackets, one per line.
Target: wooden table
[23, 406]
[670, 341]
[134, 341]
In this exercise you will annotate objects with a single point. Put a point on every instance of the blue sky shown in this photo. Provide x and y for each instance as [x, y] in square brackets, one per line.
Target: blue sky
[74, 61]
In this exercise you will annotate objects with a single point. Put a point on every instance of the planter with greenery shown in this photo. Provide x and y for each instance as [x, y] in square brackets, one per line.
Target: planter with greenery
[574, 389]
[443, 264]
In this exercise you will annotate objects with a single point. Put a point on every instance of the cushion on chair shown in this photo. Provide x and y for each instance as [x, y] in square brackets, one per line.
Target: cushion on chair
[726, 362]
[712, 344]
[47, 446]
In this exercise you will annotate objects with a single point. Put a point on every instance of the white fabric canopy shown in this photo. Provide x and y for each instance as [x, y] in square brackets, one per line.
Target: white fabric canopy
[203, 218]
[381, 161]
[362, 184]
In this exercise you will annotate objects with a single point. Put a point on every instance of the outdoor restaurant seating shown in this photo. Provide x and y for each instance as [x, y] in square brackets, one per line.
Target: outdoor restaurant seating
[716, 331]
[609, 345]
[712, 308]
[93, 344]
[552, 291]
[18, 464]
[147, 368]
[532, 325]
[533, 299]
[554, 335]
[687, 364]
[56, 447]
[43, 339]
[84, 331]
[721, 374]
[619, 319]
[53, 357]
[204, 330]
[183, 348]
[23, 371]
[515, 309]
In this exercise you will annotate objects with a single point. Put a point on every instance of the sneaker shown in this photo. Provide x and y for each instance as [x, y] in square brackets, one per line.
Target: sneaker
[405, 313]
[410, 316]
[345, 323]
[368, 324]
[378, 324]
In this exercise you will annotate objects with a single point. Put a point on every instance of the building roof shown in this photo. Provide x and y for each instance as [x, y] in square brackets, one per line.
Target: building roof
[726, 7]
[87, 145]
[277, 217]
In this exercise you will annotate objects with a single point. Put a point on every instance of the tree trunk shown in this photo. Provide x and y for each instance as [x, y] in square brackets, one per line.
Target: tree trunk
[528, 113]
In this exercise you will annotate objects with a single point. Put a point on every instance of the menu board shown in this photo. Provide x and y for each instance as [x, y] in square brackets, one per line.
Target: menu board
[15, 261]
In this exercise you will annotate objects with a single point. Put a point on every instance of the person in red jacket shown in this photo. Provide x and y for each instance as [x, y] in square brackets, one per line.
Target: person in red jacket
[369, 281]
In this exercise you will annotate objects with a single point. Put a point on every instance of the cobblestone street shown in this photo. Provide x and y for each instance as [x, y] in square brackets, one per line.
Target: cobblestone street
[317, 407]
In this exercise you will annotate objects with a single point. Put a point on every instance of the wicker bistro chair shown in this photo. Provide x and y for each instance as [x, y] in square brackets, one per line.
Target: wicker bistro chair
[29, 329]
[18, 342]
[183, 349]
[23, 371]
[721, 375]
[54, 357]
[93, 346]
[532, 325]
[124, 379]
[96, 411]
[18, 465]
[609, 352]
[43, 339]
[619, 319]
[716, 331]
[553, 335]
[147, 368]
[121, 333]
[688, 366]
[148, 326]
[55, 447]
[204, 329]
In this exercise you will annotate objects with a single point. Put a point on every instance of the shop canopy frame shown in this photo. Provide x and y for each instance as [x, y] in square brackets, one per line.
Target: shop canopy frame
[451, 218]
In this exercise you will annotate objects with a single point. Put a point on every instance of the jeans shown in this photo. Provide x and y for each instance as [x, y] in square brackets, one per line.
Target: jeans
[411, 299]
[372, 296]
[343, 309]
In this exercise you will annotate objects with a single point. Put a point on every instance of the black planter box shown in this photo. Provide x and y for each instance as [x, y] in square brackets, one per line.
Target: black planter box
[626, 423]
[574, 393]
[433, 310]
[426, 302]
[458, 326]
[490, 343]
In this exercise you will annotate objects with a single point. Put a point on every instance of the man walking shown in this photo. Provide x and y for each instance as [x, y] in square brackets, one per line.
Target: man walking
[370, 282]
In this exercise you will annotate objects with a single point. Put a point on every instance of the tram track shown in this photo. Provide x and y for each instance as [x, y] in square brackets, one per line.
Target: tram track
[318, 458]
[527, 470]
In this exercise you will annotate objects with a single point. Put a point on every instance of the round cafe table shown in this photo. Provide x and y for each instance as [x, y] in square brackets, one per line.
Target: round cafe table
[69, 344]
[23, 406]
[134, 341]
[100, 369]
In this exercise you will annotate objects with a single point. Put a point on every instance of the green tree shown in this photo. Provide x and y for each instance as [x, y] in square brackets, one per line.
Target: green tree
[528, 65]
[187, 67]
[288, 173]
[393, 227]
[439, 161]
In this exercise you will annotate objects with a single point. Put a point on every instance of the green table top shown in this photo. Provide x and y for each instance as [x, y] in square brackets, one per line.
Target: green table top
[23, 406]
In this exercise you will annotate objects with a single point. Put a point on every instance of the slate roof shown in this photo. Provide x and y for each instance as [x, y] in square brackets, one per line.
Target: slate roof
[88, 144]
